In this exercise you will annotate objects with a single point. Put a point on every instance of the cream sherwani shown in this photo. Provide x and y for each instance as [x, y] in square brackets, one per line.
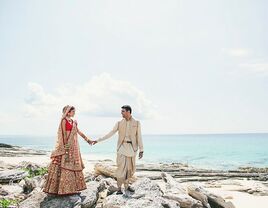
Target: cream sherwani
[129, 141]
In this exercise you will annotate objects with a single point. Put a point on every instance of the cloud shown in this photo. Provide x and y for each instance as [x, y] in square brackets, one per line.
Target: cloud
[236, 52]
[250, 64]
[261, 68]
[100, 96]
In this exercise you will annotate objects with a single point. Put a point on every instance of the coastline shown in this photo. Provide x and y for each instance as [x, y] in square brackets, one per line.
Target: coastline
[245, 187]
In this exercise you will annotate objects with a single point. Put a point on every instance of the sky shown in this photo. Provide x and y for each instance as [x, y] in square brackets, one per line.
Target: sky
[185, 67]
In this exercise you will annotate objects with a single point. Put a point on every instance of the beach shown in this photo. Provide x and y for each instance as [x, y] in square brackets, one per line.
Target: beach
[244, 188]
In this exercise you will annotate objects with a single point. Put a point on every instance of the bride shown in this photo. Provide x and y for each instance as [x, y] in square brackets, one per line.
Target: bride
[65, 172]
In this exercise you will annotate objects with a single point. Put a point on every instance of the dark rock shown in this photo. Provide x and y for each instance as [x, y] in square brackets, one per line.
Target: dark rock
[2, 145]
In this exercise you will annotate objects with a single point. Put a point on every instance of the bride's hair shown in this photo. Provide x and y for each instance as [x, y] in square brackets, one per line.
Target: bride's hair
[65, 107]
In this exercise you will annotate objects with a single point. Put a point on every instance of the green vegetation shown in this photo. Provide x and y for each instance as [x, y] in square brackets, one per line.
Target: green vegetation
[36, 172]
[5, 203]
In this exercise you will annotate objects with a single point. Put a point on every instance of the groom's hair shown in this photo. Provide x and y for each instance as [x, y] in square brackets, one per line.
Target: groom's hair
[127, 108]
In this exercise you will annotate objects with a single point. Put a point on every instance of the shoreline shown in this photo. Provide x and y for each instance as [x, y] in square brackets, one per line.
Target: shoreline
[16, 154]
[20, 151]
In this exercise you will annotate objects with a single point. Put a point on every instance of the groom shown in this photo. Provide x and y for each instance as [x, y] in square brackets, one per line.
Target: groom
[129, 141]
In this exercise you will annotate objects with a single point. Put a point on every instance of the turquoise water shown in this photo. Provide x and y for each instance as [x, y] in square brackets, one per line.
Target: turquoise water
[221, 151]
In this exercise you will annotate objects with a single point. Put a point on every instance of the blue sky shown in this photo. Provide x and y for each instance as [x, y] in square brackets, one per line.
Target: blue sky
[184, 66]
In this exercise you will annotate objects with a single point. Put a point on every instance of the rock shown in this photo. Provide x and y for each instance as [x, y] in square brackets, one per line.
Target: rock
[12, 189]
[3, 192]
[33, 201]
[89, 177]
[15, 151]
[102, 195]
[8, 176]
[147, 194]
[114, 201]
[178, 193]
[255, 188]
[29, 184]
[263, 177]
[109, 184]
[90, 195]
[107, 187]
[2, 145]
[28, 165]
[253, 169]
[72, 201]
[213, 200]
[86, 199]
[99, 177]
[219, 202]
[195, 192]
[229, 197]
[121, 201]
[106, 170]
[6, 166]
[189, 173]
[147, 187]
[172, 185]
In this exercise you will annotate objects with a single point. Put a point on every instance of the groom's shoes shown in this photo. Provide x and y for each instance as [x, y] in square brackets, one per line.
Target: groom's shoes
[130, 189]
[119, 192]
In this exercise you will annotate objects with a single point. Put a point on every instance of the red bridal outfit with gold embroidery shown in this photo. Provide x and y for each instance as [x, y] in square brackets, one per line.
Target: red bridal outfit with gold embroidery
[65, 172]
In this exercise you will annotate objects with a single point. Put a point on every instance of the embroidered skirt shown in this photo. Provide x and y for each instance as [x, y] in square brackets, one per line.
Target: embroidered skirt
[61, 181]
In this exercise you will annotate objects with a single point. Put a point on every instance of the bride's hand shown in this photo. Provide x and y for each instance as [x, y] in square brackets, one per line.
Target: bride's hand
[94, 142]
[88, 141]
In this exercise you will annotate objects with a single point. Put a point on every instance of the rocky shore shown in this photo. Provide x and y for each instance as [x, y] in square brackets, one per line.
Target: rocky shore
[156, 185]
[15, 151]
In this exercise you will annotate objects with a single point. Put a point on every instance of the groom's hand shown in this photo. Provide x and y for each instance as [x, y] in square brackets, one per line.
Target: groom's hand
[140, 155]
[94, 142]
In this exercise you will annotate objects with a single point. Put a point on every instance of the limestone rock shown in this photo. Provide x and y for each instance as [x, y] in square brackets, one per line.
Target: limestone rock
[90, 195]
[86, 199]
[147, 194]
[8, 176]
[29, 184]
[176, 192]
[203, 195]
[72, 201]
[106, 170]
[33, 201]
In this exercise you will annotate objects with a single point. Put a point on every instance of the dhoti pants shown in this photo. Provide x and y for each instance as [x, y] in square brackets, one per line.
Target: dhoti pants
[126, 167]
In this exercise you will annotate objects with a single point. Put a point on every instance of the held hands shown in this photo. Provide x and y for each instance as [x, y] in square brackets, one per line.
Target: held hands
[89, 141]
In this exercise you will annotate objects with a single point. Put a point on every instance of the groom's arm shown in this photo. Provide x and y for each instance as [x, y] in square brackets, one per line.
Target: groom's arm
[110, 134]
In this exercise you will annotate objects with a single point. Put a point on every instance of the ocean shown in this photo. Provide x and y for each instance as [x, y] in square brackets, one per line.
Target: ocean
[217, 151]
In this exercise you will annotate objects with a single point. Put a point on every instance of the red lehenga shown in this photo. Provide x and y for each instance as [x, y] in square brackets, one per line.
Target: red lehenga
[65, 172]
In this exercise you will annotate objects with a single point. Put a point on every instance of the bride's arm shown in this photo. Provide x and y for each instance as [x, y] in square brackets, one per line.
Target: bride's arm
[84, 136]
